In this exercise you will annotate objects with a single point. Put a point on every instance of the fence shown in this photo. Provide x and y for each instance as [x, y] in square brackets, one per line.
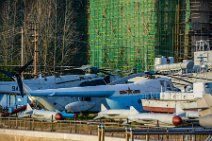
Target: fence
[112, 129]
[169, 134]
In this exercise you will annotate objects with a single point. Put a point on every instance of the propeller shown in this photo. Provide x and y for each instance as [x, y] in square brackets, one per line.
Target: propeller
[175, 77]
[189, 82]
[91, 69]
[17, 76]
[124, 79]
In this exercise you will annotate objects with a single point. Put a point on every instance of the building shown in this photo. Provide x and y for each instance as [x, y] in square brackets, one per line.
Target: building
[128, 34]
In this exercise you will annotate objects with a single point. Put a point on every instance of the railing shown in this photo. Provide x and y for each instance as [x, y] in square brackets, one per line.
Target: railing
[106, 129]
[168, 134]
[71, 126]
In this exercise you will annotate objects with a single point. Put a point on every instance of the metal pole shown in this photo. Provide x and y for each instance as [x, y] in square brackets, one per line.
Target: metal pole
[33, 124]
[99, 132]
[126, 134]
[147, 137]
[16, 122]
[52, 123]
[103, 133]
[131, 135]
[193, 137]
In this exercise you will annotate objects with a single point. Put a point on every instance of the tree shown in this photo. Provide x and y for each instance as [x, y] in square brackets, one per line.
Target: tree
[58, 25]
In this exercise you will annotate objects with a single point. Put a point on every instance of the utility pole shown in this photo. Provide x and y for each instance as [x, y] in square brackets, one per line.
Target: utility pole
[22, 48]
[32, 20]
[35, 41]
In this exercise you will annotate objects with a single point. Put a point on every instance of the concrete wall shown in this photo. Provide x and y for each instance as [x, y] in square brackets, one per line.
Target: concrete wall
[7, 137]
[24, 135]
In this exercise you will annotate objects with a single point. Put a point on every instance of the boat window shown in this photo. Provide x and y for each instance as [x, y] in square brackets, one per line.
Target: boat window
[209, 86]
[152, 96]
[86, 99]
[139, 101]
[206, 85]
[168, 85]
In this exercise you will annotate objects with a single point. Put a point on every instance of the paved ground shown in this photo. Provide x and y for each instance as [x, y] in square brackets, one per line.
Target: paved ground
[7, 137]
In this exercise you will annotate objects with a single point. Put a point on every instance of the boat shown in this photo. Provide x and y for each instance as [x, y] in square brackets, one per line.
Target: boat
[169, 100]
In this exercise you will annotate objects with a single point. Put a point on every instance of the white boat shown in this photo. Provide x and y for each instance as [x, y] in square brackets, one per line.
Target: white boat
[169, 100]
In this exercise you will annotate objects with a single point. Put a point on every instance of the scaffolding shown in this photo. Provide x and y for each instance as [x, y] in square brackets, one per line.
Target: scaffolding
[120, 34]
[201, 20]
[128, 34]
[183, 45]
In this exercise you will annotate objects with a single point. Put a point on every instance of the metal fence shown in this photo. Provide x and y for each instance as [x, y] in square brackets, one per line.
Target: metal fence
[112, 129]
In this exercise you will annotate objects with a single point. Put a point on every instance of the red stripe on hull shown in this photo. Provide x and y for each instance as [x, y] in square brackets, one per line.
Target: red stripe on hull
[159, 109]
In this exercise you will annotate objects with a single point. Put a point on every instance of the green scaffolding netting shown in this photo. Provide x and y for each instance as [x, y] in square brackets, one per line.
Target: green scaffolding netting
[128, 34]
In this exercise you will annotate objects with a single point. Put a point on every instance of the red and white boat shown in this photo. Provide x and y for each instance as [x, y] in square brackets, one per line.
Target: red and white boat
[169, 100]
